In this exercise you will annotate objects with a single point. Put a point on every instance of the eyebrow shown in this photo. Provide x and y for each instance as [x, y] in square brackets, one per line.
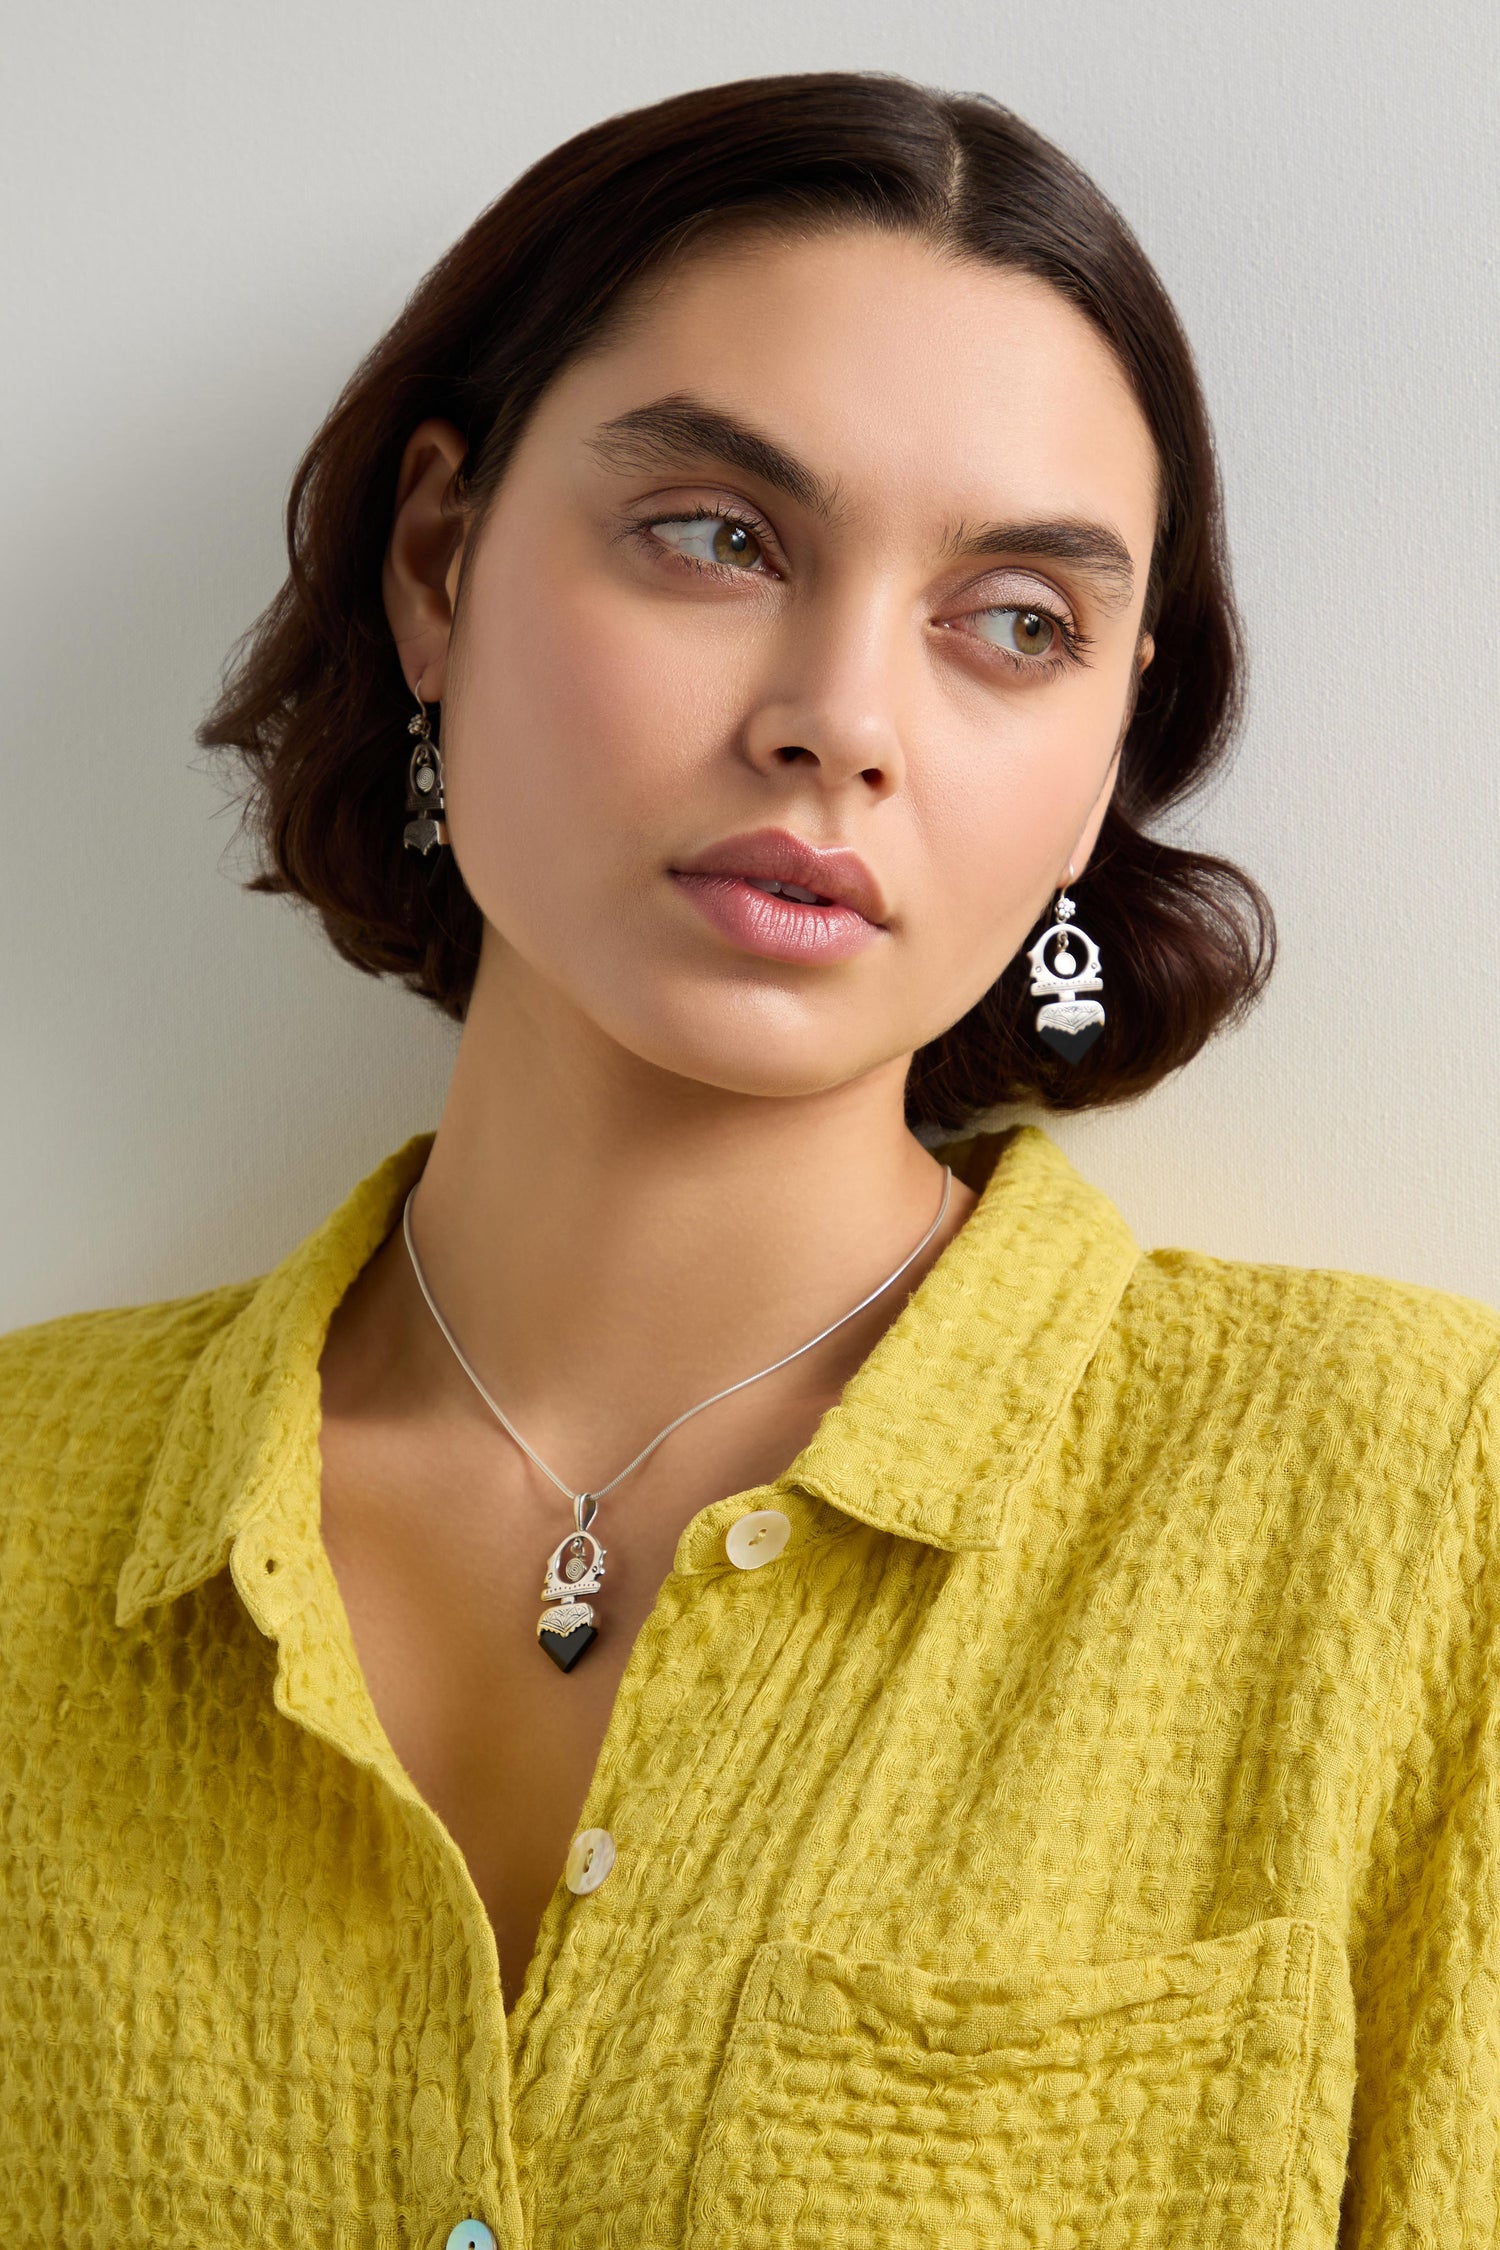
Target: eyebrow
[668, 430]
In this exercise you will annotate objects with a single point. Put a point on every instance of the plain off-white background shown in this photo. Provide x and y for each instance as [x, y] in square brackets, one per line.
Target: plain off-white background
[212, 210]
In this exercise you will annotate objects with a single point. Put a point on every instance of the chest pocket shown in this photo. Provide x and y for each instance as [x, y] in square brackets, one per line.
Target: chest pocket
[1119, 2105]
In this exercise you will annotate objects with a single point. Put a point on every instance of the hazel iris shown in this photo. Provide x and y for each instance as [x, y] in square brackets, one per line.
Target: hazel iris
[732, 543]
[1032, 633]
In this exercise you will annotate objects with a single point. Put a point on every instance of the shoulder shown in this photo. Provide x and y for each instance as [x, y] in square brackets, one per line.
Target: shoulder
[82, 1364]
[1355, 1326]
[1315, 1365]
[84, 1400]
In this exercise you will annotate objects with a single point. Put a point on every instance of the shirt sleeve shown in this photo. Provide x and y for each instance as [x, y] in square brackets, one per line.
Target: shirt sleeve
[1424, 2151]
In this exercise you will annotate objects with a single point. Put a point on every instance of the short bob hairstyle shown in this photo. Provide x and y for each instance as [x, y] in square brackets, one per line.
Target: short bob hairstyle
[314, 702]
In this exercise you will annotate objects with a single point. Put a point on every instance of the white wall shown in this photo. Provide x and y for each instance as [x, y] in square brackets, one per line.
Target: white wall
[211, 210]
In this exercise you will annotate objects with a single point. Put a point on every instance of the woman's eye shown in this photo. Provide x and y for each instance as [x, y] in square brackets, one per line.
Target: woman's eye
[711, 542]
[1023, 632]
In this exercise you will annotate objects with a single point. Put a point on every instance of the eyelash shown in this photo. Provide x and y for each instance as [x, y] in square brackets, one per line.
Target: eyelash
[1030, 667]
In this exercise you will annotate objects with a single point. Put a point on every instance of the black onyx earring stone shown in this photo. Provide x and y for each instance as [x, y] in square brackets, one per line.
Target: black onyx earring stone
[1071, 1045]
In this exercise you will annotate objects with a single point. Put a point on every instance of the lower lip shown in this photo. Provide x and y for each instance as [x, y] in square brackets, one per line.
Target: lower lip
[780, 929]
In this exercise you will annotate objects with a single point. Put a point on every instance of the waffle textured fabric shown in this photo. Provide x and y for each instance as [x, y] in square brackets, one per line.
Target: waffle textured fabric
[1084, 1835]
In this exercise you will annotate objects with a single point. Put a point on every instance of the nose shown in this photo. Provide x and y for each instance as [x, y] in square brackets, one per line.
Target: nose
[831, 706]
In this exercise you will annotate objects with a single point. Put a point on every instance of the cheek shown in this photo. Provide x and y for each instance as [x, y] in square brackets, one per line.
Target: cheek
[571, 725]
[1003, 809]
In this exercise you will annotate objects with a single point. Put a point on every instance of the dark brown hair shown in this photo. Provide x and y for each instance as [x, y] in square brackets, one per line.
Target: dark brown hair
[315, 703]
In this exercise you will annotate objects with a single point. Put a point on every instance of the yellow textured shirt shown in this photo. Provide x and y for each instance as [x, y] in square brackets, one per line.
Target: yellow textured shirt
[1085, 1834]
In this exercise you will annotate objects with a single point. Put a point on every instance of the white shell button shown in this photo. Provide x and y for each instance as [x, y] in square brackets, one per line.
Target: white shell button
[757, 1538]
[591, 1855]
[471, 2234]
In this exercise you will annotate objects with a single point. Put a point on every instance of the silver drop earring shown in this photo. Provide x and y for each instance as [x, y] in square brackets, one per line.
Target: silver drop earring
[1064, 962]
[424, 786]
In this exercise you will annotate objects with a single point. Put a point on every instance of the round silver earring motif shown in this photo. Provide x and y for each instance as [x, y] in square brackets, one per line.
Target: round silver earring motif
[1068, 1025]
[428, 830]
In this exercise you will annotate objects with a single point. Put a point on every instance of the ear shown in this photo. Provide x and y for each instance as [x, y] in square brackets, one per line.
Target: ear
[419, 575]
[1083, 850]
[1078, 858]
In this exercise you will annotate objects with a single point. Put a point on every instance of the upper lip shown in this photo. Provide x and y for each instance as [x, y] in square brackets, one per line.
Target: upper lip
[775, 855]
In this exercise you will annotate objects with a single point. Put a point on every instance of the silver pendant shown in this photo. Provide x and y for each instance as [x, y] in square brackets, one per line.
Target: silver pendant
[575, 1567]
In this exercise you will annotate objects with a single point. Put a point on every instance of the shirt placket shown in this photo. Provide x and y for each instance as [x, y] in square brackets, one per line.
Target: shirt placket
[490, 2124]
[463, 2179]
[613, 1872]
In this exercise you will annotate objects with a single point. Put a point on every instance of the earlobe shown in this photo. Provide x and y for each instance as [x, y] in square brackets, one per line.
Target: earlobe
[427, 534]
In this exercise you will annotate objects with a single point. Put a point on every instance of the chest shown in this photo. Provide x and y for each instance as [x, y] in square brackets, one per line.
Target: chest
[440, 1568]
[900, 1856]
[938, 1880]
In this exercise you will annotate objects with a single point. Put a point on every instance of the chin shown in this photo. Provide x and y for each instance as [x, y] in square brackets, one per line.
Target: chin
[773, 1044]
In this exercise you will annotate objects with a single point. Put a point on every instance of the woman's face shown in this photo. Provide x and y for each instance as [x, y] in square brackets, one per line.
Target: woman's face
[843, 539]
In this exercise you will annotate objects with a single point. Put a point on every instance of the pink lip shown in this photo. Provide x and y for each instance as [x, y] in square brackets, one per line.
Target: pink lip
[719, 883]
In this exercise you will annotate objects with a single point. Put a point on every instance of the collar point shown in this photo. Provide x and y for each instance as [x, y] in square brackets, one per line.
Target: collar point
[134, 1595]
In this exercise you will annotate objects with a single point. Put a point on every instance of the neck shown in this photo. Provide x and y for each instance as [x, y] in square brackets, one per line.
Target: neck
[610, 1241]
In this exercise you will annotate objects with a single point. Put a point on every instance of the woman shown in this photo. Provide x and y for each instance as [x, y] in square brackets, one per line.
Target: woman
[718, 1657]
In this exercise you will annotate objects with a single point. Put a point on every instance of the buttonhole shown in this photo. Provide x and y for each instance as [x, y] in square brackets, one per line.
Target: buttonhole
[270, 1562]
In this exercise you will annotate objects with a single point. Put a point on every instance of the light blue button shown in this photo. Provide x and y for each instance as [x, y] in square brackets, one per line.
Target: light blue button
[471, 2234]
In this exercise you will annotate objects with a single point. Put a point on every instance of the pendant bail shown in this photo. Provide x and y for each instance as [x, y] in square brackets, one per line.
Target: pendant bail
[585, 1508]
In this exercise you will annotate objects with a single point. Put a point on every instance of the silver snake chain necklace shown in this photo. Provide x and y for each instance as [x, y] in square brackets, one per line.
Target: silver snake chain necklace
[575, 1567]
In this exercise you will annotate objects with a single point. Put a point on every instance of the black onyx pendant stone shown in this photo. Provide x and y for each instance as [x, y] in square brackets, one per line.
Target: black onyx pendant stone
[1071, 1045]
[567, 1632]
[566, 1648]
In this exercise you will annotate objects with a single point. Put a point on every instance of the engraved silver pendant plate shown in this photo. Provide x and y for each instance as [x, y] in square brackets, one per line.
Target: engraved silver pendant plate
[575, 1566]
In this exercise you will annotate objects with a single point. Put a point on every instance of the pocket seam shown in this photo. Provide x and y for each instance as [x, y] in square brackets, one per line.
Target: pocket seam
[1297, 2135]
[794, 2038]
[1293, 1991]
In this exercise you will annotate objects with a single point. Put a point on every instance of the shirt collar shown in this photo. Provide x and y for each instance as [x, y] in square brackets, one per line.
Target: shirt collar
[950, 1411]
[927, 1438]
